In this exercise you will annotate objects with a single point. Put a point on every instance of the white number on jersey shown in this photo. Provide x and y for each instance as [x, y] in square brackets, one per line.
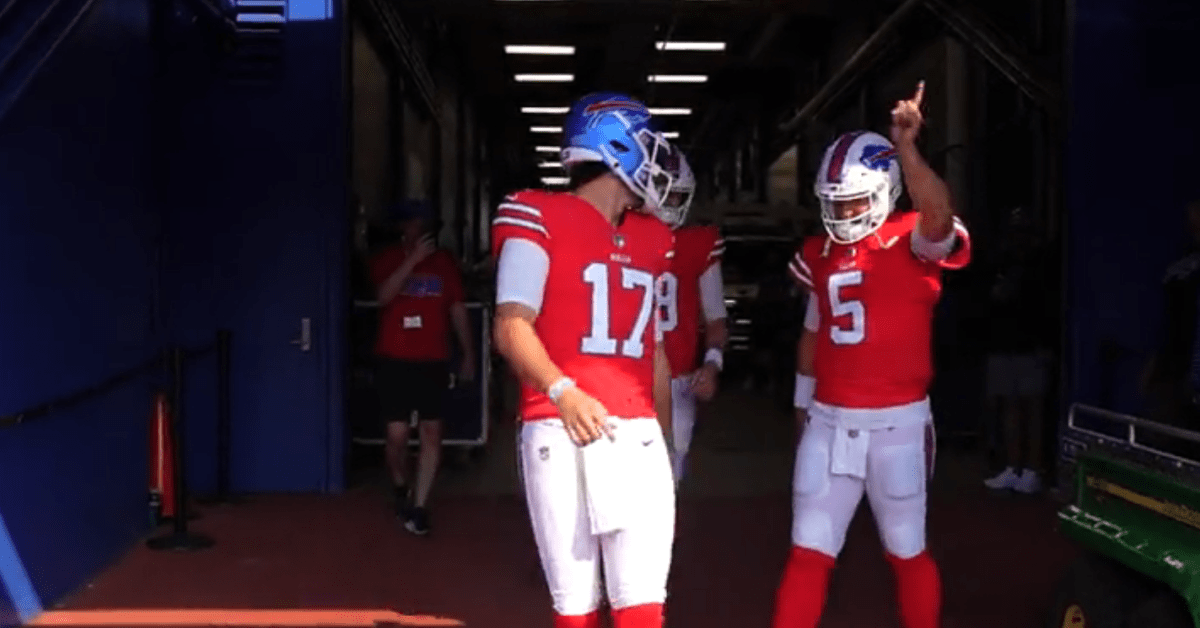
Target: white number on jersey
[599, 341]
[852, 308]
[668, 302]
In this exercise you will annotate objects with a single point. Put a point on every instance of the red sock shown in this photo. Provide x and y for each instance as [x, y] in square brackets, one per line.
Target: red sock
[640, 616]
[918, 590]
[801, 596]
[591, 620]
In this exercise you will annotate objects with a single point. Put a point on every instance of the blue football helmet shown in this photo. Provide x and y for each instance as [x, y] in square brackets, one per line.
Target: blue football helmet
[615, 129]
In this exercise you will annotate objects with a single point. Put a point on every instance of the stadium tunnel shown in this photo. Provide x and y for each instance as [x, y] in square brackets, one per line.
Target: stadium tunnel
[179, 169]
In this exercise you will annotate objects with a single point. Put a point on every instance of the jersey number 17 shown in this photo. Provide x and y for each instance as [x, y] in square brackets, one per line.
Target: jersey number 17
[600, 341]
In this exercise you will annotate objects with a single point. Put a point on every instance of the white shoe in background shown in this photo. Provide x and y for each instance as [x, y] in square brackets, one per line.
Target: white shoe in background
[1005, 480]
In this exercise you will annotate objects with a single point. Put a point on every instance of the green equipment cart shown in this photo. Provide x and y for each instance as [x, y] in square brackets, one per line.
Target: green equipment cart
[1132, 493]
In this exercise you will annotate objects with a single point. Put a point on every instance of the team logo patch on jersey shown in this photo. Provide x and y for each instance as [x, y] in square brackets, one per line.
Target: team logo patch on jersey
[423, 286]
[877, 156]
[619, 240]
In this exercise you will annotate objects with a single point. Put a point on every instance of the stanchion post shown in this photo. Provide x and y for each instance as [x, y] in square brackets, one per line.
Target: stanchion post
[179, 538]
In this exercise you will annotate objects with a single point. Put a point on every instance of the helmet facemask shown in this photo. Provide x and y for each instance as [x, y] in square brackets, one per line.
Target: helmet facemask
[872, 185]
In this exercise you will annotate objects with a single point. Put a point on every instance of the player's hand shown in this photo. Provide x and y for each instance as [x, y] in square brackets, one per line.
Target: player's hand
[421, 249]
[585, 418]
[704, 382]
[907, 118]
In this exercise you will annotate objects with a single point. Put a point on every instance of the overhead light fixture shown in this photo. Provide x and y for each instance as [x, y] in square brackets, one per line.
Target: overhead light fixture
[694, 46]
[547, 149]
[671, 135]
[545, 110]
[544, 78]
[670, 111]
[555, 180]
[545, 129]
[677, 78]
[550, 164]
[539, 50]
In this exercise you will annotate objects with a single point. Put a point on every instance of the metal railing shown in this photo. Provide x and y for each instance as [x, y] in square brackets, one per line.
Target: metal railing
[1132, 424]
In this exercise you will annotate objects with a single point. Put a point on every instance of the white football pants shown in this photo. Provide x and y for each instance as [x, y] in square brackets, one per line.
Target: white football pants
[636, 559]
[683, 422]
[887, 453]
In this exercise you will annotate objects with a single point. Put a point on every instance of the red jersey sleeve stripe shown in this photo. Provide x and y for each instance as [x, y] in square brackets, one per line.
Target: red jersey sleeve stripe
[718, 249]
[521, 208]
[521, 216]
[800, 271]
[520, 223]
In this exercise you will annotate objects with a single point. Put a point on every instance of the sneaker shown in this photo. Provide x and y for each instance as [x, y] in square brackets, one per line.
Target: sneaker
[1029, 482]
[1007, 479]
[418, 521]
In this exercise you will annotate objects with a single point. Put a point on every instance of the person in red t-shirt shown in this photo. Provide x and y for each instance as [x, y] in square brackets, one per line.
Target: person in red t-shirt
[420, 292]
[864, 365]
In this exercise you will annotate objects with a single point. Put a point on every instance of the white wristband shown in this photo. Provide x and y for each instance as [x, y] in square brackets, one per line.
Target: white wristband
[556, 389]
[804, 391]
[715, 356]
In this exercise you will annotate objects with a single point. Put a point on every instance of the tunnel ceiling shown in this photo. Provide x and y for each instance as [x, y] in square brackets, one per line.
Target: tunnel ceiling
[773, 55]
[764, 49]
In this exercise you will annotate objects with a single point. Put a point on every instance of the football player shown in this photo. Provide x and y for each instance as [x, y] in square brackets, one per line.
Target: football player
[691, 289]
[575, 318]
[865, 365]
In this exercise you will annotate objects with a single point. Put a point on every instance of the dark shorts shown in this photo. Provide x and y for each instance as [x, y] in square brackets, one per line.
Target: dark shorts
[404, 387]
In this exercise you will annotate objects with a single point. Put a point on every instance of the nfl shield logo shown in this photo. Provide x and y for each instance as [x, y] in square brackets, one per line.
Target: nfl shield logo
[619, 240]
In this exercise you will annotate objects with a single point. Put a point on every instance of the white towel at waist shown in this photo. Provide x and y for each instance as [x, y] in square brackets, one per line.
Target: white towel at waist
[611, 473]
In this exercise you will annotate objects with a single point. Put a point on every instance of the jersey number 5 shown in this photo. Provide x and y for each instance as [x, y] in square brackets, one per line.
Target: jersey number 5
[599, 341]
[852, 308]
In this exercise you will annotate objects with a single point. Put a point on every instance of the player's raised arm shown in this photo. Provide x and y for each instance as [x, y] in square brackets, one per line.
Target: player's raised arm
[929, 193]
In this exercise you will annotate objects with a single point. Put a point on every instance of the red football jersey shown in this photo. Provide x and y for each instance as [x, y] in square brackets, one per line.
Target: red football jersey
[876, 299]
[416, 324]
[597, 319]
[697, 248]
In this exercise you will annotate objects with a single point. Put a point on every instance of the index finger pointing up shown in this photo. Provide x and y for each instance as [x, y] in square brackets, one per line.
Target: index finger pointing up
[920, 93]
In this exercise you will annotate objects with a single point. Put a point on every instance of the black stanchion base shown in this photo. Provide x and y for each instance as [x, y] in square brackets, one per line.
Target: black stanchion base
[180, 542]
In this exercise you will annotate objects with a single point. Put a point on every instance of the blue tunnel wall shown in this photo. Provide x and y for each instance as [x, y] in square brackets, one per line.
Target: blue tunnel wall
[78, 257]
[1129, 174]
[142, 211]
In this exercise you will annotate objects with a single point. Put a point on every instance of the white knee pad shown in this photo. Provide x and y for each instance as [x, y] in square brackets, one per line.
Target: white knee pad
[900, 491]
[812, 525]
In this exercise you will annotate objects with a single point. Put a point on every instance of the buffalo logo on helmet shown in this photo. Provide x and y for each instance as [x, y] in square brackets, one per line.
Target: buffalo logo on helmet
[877, 156]
[614, 103]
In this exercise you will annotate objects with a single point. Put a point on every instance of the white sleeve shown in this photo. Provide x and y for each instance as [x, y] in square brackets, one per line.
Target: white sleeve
[521, 273]
[812, 317]
[712, 293]
[931, 251]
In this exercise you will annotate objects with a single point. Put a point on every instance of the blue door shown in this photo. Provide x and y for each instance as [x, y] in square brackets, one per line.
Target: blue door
[255, 185]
